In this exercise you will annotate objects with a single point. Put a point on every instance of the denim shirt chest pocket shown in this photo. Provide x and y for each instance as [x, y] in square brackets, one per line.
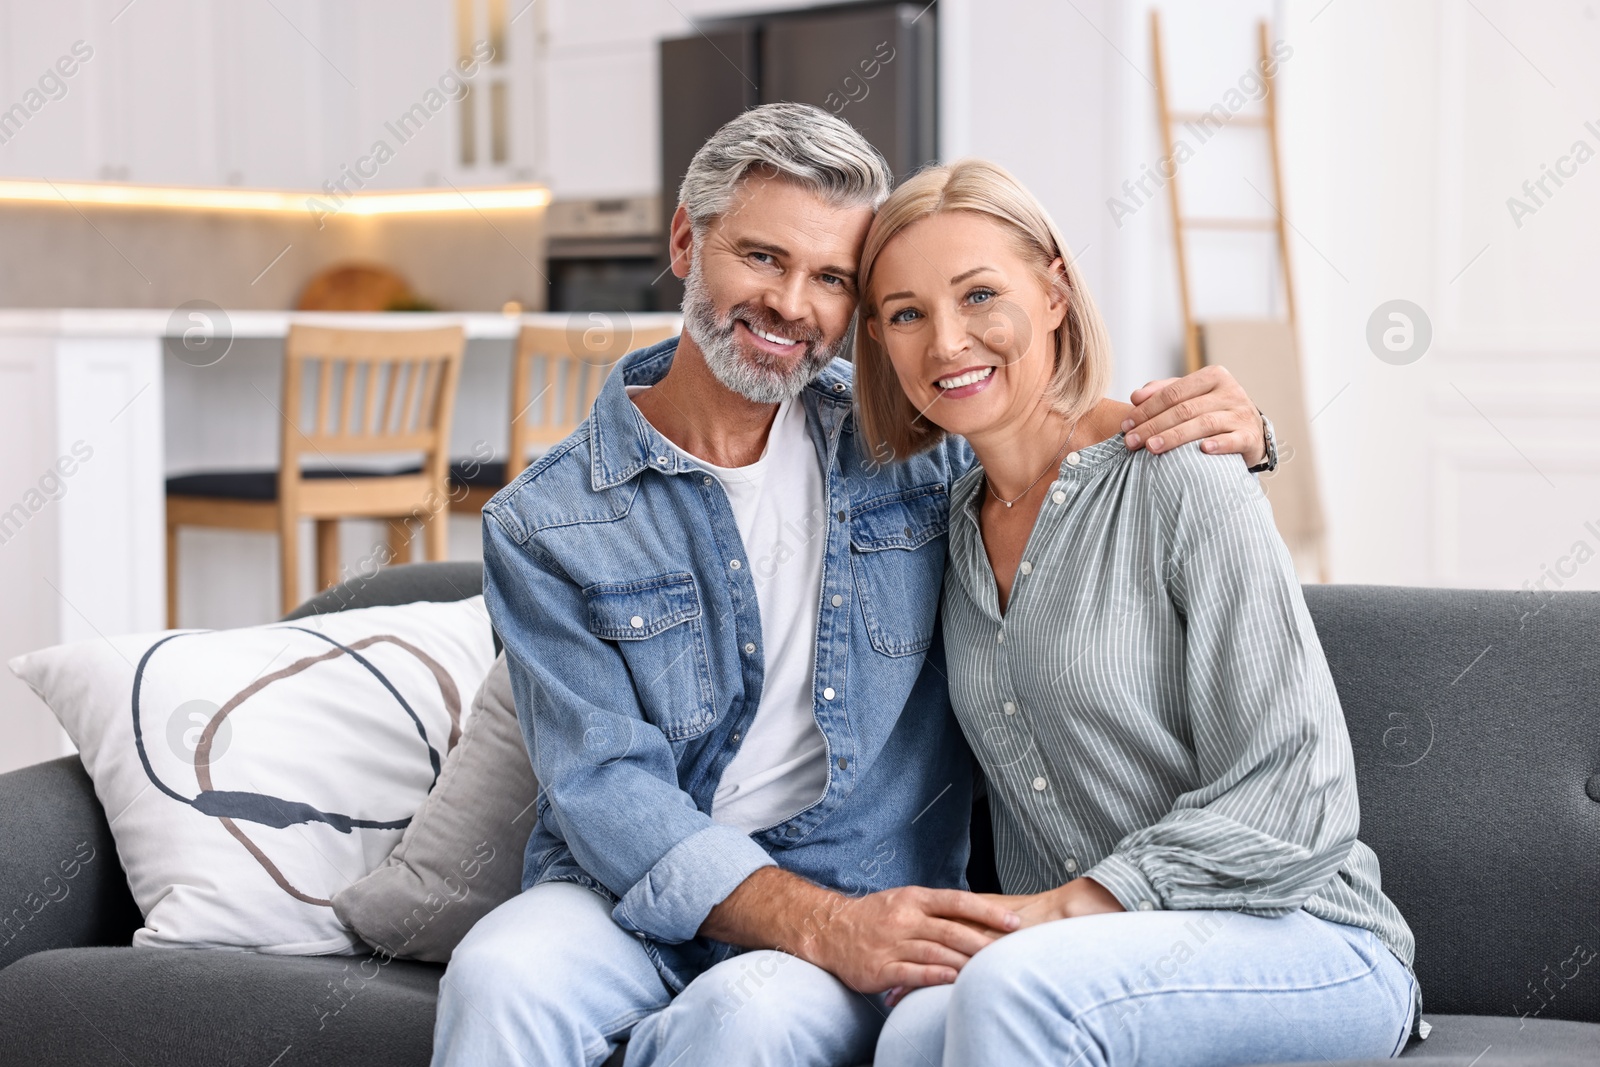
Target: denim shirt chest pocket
[657, 626]
[897, 554]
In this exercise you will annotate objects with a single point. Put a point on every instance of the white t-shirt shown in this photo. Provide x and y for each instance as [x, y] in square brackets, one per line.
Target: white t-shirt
[781, 765]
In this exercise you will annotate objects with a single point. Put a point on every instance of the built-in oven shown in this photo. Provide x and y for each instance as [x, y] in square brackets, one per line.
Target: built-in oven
[606, 255]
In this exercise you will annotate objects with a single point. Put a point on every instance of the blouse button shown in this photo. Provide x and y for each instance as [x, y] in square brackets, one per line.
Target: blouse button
[1027, 568]
[1000, 637]
[1059, 497]
[1010, 708]
[1039, 784]
[636, 622]
[1072, 459]
[1071, 864]
[1145, 905]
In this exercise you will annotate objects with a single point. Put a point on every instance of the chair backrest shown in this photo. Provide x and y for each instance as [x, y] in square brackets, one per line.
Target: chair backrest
[375, 391]
[1475, 721]
[557, 373]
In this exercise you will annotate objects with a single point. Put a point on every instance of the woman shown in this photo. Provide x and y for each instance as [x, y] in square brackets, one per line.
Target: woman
[1171, 781]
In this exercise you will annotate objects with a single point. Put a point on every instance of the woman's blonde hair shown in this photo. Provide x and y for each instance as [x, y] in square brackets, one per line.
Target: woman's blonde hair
[890, 425]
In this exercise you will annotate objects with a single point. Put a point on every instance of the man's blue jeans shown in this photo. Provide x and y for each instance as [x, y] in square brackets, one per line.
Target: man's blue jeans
[548, 979]
[1162, 989]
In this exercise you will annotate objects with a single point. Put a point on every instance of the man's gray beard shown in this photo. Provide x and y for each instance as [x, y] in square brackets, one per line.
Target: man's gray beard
[760, 383]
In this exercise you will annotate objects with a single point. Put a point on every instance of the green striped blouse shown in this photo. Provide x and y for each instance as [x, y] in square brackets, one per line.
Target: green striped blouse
[1154, 709]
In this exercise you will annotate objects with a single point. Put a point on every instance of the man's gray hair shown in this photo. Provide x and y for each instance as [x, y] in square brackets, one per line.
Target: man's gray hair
[819, 151]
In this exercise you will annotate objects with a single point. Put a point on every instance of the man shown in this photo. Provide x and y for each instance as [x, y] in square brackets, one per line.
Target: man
[720, 622]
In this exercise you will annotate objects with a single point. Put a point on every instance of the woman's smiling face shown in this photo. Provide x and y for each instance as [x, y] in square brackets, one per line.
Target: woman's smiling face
[966, 320]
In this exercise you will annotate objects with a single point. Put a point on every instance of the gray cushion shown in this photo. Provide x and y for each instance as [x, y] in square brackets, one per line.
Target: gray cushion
[203, 1007]
[462, 854]
[1474, 718]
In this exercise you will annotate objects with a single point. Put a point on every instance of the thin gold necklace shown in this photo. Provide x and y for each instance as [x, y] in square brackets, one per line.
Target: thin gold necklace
[1055, 464]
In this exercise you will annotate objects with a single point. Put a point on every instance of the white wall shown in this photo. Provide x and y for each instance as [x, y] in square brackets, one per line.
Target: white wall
[1412, 125]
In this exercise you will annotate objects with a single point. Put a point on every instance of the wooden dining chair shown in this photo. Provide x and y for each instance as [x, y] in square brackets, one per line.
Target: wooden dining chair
[556, 374]
[373, 393]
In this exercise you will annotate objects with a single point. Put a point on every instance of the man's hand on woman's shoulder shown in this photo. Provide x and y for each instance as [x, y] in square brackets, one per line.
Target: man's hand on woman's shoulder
[1208, 406]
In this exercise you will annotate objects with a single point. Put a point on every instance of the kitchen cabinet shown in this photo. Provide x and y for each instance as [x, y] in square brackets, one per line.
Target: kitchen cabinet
[288, 94]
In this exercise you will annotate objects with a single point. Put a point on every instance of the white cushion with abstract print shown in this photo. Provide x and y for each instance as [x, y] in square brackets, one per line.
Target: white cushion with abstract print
[249, 775]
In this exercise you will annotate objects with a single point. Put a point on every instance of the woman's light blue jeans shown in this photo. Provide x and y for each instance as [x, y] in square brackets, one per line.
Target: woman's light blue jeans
[1161, 989]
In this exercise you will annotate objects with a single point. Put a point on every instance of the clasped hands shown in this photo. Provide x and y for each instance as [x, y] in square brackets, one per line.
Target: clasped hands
[903, 939]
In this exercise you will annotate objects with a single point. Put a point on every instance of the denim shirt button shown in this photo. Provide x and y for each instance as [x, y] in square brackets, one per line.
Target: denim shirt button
[827, 694]
[735, 564]
[838, 387]
[843, 516]
[844, 763]
[636, 622]
[837, 600]
[793, 831]
[707, 480]
[750, 647]
[735, 738]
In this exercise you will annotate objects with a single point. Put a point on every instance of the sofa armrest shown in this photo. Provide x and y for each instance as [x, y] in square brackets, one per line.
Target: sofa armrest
[61, 884]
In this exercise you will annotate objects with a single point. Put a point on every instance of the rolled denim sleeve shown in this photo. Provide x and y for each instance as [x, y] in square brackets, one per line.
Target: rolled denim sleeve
[609, 778]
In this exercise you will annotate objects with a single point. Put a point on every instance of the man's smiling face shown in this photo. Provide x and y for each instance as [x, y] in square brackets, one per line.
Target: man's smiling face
[770, 286]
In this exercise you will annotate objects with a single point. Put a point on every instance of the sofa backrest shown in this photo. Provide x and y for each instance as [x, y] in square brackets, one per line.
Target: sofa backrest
[1475, 721]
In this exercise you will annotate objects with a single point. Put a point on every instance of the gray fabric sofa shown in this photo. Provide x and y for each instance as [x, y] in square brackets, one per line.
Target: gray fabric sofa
[1475, 718]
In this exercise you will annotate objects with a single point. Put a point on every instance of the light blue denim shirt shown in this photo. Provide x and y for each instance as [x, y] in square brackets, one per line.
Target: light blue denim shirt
[616, 577]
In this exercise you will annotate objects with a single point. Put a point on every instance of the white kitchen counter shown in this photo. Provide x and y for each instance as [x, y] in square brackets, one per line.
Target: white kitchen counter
[95, 415]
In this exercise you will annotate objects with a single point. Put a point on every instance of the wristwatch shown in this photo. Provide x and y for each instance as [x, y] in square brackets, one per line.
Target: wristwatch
[1271, 462]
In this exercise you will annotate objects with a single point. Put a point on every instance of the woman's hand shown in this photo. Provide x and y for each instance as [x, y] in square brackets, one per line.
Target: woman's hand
[1081, 896]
